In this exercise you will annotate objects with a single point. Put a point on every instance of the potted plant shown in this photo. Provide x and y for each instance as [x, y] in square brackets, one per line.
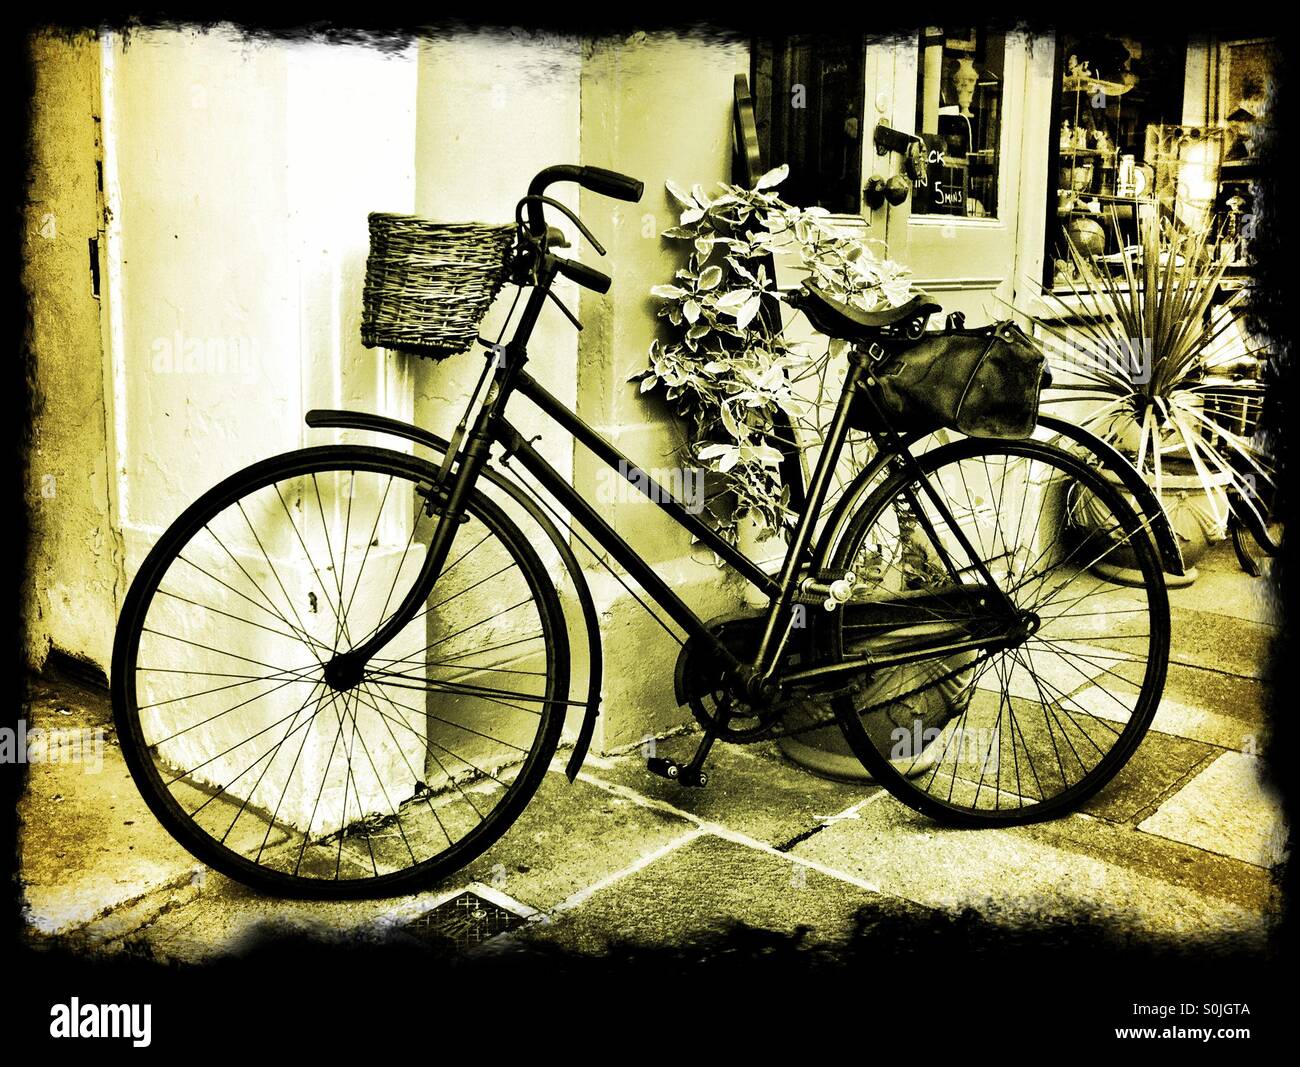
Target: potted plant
[1137, 338]
[727, 367]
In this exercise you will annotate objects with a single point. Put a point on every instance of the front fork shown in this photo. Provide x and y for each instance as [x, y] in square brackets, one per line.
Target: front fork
[347, 669]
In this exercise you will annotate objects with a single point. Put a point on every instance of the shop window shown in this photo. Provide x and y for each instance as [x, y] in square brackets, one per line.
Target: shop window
[808, 97]
[1246, 83]
[1117, 97]
[958, 116]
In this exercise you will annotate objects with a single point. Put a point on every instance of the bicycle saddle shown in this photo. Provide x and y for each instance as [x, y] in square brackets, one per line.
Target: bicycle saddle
[837, 319]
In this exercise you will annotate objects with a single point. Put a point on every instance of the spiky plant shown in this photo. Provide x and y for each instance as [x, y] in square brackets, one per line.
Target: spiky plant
[1142, 346]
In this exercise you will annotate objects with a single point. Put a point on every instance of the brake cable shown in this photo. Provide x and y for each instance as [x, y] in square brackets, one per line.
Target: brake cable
[519, 221]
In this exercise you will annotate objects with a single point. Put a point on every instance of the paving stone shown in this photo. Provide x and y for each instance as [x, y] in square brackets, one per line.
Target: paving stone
[1178, 719]
[1200, 638]
[1014, 875]
[1236, 595]
[1160, 764]
[568, 837]
[1171, 862]
[1227, 809]
[703, 886]
[88, 843]
[767, 797]
[1243, 699]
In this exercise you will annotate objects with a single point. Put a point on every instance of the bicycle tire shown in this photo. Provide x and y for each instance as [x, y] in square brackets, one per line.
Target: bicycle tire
[183, 825]
[911, 788]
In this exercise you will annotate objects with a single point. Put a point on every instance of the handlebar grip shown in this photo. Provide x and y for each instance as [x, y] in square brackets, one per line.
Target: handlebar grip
[611, 183]
[587, 277]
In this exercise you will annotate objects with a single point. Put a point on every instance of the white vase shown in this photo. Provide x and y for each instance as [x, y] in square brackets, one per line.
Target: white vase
[1196, 512]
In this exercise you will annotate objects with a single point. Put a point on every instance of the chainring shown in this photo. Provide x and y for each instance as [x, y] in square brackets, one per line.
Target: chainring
[702, 683]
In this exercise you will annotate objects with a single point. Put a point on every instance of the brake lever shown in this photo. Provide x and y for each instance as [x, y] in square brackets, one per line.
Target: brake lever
[567, 313]
[582, 228]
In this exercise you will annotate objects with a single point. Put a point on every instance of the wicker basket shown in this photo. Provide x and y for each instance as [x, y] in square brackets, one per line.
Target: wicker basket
[429, 284]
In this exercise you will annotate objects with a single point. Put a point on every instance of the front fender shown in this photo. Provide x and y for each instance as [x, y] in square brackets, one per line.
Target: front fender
[319, 418]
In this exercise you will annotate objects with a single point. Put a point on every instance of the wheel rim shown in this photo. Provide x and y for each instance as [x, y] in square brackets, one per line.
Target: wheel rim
[1029, 730]
[270, 772]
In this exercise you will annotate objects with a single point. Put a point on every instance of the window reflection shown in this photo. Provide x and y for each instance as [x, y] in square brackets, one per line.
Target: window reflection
[808, 94]
[958, 117]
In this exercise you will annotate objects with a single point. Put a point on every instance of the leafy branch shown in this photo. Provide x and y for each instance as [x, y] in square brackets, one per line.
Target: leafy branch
[728, 369]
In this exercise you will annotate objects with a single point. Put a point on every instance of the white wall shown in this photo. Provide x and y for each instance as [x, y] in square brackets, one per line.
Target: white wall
[494, 109]
[243, 174]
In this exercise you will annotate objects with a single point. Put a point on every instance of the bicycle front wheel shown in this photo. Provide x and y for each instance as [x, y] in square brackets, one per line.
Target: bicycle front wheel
[270, 774]
[1004, 734]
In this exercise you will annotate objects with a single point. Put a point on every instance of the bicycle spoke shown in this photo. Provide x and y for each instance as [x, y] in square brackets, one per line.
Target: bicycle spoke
[340, 783]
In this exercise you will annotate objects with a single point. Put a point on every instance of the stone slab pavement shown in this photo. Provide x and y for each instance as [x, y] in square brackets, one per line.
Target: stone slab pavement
[1187, 841]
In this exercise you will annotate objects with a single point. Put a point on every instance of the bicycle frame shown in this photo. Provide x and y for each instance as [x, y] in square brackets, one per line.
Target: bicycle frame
[491, 427]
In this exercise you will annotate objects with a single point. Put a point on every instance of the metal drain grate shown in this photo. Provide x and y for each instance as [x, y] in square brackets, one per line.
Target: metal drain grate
[463, 922]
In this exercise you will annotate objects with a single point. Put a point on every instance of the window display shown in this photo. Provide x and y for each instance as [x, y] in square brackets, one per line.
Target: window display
[958, 106]
[1246, 79]
[1112, 92]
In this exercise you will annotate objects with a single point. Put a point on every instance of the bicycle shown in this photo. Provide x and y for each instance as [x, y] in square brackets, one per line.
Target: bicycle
[344, 670]
[1235, 394]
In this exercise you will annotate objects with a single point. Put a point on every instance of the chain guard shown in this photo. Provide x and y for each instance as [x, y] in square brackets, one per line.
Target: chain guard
[700, 678]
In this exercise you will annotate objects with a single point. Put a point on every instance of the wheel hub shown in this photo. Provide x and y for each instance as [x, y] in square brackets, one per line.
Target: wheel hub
[1026, 626]
[344, 672]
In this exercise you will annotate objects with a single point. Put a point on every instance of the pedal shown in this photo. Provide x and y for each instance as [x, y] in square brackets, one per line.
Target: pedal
[676, 772]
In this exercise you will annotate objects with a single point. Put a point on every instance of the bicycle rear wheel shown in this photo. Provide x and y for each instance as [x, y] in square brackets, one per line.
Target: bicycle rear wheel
[1256, 536]
[1026, 732]
[265, 771]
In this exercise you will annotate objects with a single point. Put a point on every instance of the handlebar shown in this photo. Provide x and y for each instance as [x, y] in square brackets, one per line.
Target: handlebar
[611, 183]
[588, 277]
[597, 179]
